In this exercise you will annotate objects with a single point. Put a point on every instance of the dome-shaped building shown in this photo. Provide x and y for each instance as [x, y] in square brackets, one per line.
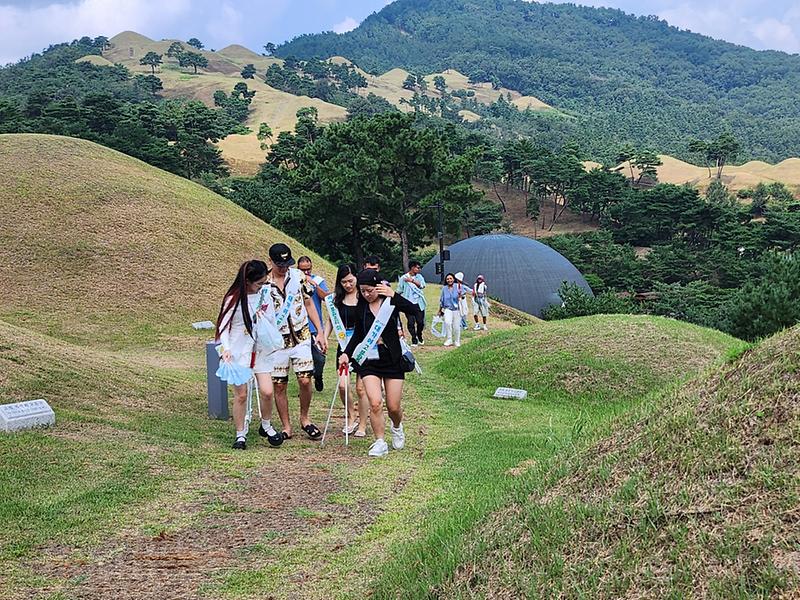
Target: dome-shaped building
[519, 271]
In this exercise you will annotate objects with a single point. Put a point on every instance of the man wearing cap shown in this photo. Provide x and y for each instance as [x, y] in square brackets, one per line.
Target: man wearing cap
[319, 290]
[294, 308]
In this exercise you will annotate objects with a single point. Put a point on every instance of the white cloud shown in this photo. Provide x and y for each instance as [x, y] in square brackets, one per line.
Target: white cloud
[227, 26]
[30, 30]
[773, 33]
[348, 24]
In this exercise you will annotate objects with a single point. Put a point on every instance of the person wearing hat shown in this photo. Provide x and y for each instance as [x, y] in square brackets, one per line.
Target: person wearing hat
[480, 302]
[463, 307]
[376, 354]
[294, 308]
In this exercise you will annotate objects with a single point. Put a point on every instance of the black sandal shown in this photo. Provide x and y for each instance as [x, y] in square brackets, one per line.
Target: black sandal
[285, 435]
[312, 431]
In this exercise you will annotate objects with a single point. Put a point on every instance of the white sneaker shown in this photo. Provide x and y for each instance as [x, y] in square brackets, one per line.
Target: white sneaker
[485, 328]
[448, 343]
[458, 344]
[477, 327]
[398, 437]
[422, 342]
[379, 448]
[352, 426]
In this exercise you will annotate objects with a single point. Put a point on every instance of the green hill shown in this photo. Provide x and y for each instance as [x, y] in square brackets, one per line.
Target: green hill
[626, 78]
[695, 496]
[101, 248]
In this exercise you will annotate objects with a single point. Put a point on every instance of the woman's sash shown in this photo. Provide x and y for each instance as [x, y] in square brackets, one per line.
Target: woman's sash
[365, 350]
[339, 330]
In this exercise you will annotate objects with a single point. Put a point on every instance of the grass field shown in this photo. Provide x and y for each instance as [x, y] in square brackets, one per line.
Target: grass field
[136, 494]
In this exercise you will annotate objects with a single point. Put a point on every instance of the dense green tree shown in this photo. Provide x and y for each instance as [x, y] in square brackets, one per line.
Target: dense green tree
[269, 49]
[175, 50]
[440, 84]
[192, 59]
[384, 174]
[195, 43]
[369, 107]
[152, 60]
[149, 83]
[248, 72]
[264, 134]
[410, 82]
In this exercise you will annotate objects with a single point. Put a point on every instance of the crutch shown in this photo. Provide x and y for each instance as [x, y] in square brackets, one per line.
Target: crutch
[342, 370]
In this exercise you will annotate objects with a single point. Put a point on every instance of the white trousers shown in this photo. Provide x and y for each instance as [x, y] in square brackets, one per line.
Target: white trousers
[452, 325]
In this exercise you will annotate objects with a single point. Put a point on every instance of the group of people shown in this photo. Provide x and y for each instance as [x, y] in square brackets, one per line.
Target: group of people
[454, 310]
[364, 316]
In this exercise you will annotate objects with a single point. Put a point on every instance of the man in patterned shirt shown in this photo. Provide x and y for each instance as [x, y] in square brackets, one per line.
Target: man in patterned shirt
[294, 308]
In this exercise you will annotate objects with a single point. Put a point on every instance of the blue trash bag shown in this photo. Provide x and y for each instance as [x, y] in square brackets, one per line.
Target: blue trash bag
[234, 374]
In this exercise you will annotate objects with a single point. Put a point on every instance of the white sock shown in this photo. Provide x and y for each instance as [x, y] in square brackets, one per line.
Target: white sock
[267, 425]
[241, 435]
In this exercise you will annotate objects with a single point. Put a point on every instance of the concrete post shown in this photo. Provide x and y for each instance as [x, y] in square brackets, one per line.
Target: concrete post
[217, 389]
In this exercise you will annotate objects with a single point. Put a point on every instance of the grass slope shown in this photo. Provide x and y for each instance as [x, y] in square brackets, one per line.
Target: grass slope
[579, 374]
[696, 496]
[98, 247]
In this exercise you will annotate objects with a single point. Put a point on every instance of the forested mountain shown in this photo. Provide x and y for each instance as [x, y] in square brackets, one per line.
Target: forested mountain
[624, 78]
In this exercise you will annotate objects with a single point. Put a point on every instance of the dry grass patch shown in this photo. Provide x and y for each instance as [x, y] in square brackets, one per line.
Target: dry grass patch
[99, 247]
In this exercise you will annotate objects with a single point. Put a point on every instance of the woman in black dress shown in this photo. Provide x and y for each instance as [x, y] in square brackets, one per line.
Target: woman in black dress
[386, 369]
[345, 299]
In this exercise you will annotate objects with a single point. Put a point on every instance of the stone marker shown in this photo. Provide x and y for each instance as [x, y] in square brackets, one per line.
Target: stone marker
[26, 415]
[502, 392]
[203, 325]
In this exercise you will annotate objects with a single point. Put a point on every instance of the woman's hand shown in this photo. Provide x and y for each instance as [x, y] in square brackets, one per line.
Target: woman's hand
[226, 356]
[384, 290]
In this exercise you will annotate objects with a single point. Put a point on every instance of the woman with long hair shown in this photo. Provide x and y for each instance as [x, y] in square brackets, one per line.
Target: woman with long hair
[449, 308]
[345, 300]
[246, 301]
[377, 355]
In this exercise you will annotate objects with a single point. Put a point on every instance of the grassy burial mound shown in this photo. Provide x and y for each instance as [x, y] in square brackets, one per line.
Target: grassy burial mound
[579, 374]
[697, 495]
[96, 246]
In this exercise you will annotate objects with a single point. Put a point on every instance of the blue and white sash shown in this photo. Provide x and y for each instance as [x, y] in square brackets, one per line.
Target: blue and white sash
[367, 350]
[339, 330]
[283, 314]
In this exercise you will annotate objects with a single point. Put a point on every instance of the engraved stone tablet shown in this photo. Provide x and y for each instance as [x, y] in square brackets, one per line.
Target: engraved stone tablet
[203, 325]
[26, 415]
[502, 392]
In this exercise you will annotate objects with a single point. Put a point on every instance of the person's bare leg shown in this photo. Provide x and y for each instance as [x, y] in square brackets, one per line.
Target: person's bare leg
[282, 404]
[350, 407]
[372, 385]
[394, 394]
[304, 381]
[363, 406]
[239, 406]
[265, 394]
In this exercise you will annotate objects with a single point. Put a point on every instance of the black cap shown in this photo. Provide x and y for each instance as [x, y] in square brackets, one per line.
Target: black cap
[280, 255]
[369, 277]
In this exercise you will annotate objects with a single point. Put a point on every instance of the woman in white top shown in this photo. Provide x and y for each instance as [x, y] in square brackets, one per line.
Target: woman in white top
[246, 301]
[480, 302]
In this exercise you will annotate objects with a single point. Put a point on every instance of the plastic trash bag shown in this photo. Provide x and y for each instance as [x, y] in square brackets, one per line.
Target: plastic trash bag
[437, 326]
[268, 338]
[234, 374]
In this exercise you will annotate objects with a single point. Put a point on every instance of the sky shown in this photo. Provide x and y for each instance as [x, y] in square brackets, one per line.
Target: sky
[28, 26]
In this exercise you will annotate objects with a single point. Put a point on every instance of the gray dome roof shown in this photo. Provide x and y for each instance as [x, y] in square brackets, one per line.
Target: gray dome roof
[519, 271]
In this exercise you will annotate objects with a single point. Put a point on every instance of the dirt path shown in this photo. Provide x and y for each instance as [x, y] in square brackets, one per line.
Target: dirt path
[277, 506]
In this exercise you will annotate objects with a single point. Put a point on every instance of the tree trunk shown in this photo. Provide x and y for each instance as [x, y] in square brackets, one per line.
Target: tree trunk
[502, 202]
[404, 244]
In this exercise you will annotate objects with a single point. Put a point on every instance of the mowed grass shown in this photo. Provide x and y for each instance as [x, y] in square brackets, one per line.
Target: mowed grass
[695, 495]
[481, 453]
[101, 249]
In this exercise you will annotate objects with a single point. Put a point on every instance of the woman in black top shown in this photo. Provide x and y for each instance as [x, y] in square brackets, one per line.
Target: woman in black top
[386, 369]
[345, 299]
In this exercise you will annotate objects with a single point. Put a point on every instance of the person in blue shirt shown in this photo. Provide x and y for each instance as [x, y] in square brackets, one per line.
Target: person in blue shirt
[411, 287]
[449, 301]
[321, 290]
